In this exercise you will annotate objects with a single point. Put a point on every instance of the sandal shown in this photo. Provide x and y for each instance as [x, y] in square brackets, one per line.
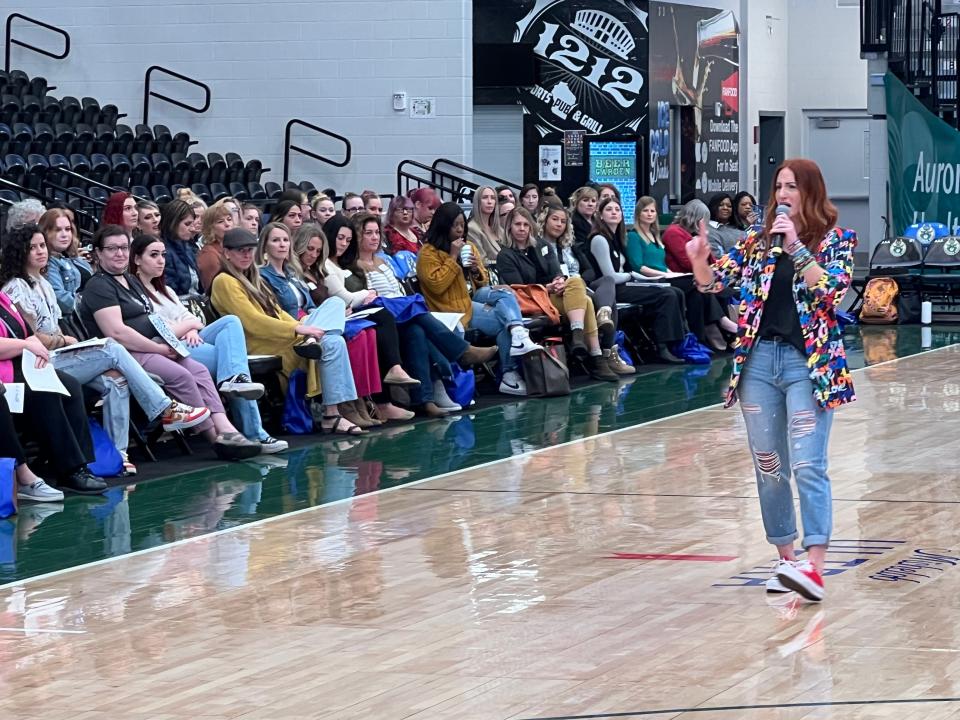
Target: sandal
[336, 428]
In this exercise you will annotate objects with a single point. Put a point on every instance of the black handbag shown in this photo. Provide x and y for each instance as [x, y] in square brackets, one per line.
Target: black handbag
[546, 373]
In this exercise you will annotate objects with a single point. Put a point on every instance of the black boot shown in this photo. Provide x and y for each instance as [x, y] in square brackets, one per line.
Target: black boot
[599, 369]
[665, 356]
[578, 348]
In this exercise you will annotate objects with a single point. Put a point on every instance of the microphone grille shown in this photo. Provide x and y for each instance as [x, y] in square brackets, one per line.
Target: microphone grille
[783, 209]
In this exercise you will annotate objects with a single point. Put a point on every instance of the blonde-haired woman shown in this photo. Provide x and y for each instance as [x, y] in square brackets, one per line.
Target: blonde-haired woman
[583, 205]
[240, 290]
[323, 209]
[523, 262]
[556, 231]
[66, 270]
[483, 225]
[217, 220]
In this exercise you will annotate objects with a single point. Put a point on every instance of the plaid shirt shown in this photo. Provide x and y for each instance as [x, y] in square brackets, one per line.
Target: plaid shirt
[750, 266]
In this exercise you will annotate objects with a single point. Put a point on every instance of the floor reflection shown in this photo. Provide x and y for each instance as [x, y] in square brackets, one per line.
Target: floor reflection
[45, 538]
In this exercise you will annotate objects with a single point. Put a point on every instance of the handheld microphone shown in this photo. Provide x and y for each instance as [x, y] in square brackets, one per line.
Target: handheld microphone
[776, 240]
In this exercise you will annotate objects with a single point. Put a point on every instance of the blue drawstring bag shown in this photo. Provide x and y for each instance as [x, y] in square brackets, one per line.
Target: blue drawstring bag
[107, 459]
[845, 319]
[690, 350]
[297, 419]
[620, 340]
[461, 385]
[7, 487]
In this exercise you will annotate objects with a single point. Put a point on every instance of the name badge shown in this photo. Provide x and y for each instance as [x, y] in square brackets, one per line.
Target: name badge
[167, 334]
[544, 251]
[564, 270]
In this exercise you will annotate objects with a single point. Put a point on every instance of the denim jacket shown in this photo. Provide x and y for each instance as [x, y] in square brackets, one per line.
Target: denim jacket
[63, 273]
[286, 296]
[749, 264]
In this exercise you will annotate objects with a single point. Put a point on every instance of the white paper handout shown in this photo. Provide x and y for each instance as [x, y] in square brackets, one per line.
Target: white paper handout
[13, 394]
[41, 379]
[449, 319]
[94, 342]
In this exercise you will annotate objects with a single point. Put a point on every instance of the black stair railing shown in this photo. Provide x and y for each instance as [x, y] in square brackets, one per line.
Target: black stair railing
[947, 57]
[477, 177]
[11, 40]
[148, 93]
[289, 147]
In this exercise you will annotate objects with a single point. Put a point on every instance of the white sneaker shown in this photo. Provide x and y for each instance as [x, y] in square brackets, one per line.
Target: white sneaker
[241, 386]
[773, 582]
[39, 492]
[513, 384]
[441, 399]
[520, 342]
[271, 445]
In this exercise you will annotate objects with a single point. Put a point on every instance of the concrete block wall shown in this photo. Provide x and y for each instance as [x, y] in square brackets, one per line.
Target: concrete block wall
[334, 63]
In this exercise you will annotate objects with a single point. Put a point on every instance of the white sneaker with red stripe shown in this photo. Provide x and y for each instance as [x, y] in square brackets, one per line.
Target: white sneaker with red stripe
[773, 583]
[801, 577]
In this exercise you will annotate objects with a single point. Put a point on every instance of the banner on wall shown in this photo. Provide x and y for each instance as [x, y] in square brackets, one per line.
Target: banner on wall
[694, 69]
[924, 162]
[593, 65]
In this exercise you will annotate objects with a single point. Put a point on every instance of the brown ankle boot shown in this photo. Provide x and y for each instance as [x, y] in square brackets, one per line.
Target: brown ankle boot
[477, 355]
[350, 412]
[364, 413]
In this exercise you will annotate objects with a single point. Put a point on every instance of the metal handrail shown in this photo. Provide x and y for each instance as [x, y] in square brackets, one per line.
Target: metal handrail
[435, 180]
[12, 41]
[89, 181]
[287, 146]
[148, 93]
[38, 194]
[494, 180]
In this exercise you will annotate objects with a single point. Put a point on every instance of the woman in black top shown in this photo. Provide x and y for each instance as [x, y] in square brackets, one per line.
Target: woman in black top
[524, 262]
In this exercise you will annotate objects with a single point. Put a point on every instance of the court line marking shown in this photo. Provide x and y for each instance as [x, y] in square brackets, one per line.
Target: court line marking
[44, 630]
[314, 508]
[728, 708]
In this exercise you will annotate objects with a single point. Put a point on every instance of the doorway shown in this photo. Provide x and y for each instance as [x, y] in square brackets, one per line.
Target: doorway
[771, 149]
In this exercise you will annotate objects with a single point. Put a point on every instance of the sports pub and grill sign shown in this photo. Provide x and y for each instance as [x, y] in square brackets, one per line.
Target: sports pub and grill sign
[592, 73]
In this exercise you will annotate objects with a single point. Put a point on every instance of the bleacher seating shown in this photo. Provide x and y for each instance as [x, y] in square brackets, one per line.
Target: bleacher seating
[41, 135]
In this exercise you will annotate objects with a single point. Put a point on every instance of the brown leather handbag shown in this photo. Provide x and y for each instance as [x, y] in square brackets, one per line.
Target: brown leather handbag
[535, 300]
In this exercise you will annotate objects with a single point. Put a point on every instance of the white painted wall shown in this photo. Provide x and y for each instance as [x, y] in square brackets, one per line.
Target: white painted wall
[334, 63]
[826, 71]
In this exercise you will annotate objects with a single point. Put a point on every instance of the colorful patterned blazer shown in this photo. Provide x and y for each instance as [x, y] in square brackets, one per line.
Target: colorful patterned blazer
[752, 267]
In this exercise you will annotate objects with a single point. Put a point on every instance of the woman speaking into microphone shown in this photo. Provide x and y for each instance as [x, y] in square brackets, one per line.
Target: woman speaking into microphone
[789, 366]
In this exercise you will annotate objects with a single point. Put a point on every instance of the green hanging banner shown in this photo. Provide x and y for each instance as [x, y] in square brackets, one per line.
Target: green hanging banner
[924, 162]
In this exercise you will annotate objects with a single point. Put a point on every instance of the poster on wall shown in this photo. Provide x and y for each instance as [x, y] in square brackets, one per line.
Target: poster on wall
[592, 65]
[694, 84]
[924, 162]
[550, 156]
[615, 163]
[573, 147]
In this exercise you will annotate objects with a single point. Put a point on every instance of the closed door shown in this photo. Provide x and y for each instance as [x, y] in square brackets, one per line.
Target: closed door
[840, 145]
[498, 140]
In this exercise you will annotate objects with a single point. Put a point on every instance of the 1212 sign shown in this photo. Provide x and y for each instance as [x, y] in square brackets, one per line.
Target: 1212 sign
[622, 83]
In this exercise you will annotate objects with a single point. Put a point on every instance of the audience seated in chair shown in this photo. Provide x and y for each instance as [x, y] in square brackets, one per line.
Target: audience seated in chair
[492, 310]
[116, 304]
[608, 257]
[556, 231]
[400, 232]
[240, 290]
[108, 369]
[428, 345]
[374, 352]
[220, 346]
[177, 230]
[524, 262]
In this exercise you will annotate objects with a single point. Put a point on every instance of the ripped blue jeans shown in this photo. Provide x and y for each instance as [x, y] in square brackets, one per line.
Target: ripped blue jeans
[788, 434]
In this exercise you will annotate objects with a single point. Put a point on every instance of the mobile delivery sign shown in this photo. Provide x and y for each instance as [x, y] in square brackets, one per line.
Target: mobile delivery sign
[924, 162]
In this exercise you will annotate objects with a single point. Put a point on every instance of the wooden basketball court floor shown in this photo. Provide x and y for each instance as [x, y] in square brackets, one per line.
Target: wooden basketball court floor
[617, 576]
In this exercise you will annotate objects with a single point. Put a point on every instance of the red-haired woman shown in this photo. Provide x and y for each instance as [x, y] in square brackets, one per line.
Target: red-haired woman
[121, 209]
[789, 367]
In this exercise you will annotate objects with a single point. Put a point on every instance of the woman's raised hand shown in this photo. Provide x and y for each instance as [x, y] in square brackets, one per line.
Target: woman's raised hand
[698, 249]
